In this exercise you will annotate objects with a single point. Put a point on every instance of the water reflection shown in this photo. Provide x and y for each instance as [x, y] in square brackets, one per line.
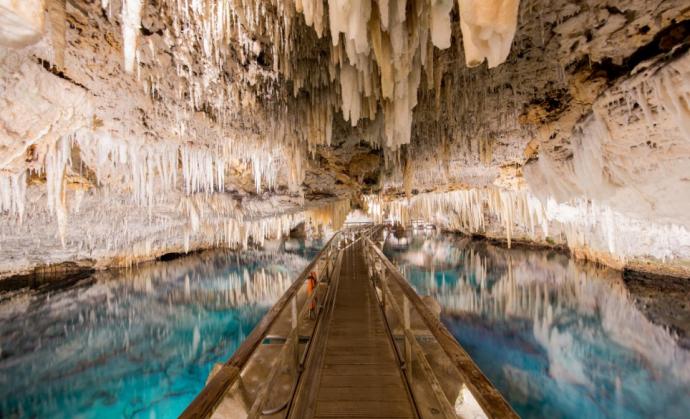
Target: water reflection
[559, 338]
[134, 343]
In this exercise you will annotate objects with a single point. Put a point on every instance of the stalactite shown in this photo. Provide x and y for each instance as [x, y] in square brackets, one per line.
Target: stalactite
[618, 150]
[408, 175]
[587, 227]
[56, 161]
[22, 22]
[131, 22]
[488, 28]
[240, 95]
[13, 194]
[58, 25]
[440, 23]
[332, 214]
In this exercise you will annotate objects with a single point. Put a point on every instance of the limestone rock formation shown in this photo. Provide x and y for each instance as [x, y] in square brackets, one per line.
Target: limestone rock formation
[133, 128]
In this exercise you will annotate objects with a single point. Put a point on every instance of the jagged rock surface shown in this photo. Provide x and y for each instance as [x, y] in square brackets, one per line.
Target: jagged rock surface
[130, 128]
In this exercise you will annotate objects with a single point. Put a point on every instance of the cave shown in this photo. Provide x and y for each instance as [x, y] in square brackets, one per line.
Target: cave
[525, 162]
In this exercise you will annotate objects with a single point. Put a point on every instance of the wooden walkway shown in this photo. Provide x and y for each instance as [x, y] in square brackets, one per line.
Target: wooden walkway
[356, 372]
[342, 361]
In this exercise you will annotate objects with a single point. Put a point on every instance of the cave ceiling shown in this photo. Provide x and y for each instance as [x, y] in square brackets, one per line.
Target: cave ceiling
[188, 112]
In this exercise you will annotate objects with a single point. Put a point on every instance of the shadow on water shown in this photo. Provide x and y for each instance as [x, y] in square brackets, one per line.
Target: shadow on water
[559, 338]
[132, 343]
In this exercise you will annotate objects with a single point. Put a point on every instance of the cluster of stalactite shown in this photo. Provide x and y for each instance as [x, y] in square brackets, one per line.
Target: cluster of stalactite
[232, 101]
[362, 58]
[590, 229]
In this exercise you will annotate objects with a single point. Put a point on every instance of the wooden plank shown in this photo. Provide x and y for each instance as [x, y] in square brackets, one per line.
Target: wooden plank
[357, 359]
[359, 374]
[366, 348]
[414, 347]
[382, 368]
[363, 409]
[354, 371]
[359, 381]
[391, 393]
[217, 385]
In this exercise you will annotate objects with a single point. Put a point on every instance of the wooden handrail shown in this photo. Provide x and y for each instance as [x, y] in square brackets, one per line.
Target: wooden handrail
[488, 397]
[295, 334]
[212, 394]
[447, 410]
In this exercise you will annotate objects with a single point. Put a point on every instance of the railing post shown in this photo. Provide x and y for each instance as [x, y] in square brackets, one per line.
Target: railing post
[383, 278]
[295, 326]
[293, 310]
[408, 344]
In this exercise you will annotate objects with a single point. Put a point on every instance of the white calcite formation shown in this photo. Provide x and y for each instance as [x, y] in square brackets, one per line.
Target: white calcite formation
[590, 229]
[633, 147]
[131, 22]
[131, 128]
[21, 22]
[488, 28]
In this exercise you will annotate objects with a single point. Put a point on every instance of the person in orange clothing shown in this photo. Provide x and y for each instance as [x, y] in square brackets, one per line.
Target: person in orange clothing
[311, 287]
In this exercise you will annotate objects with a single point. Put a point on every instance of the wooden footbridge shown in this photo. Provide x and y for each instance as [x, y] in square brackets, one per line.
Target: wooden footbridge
[363, 344]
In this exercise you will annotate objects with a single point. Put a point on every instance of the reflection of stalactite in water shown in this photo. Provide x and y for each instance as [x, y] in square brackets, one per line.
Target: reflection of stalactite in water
[208, 279]
[261, 288]
[171, 320]
[546, 290]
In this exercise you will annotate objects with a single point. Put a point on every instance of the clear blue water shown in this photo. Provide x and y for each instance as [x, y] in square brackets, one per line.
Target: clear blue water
[559, 339]
[136, 343]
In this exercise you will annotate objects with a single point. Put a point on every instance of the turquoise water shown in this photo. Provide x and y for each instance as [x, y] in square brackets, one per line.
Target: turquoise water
[559, 339]
[137, 343]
